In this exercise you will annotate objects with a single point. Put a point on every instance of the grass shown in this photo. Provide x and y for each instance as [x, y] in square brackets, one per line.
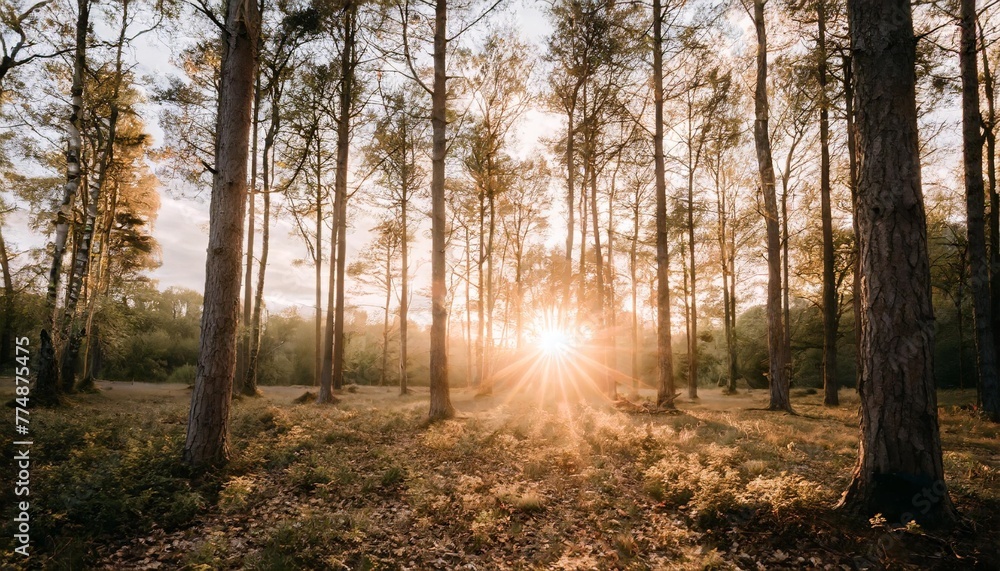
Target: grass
[369, 485]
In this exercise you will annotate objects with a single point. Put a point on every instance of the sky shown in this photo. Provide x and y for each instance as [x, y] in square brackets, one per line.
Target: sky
[181, 228]
[182, 224]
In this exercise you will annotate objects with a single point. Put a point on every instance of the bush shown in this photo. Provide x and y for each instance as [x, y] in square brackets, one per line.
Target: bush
[103, 477]
[183, 374]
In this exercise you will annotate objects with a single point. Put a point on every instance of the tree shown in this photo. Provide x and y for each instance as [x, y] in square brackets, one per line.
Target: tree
[725, 137]
[565, 48]
[295, 29]
[704, 96]
[831, 395]
[900, 451]
[378, 267]
[500, 96]
[16, 50]
[394, 153]
[441, 407]
[775, 326]
[979, 266]
[665, 362]
[523, 214]
[208, 433]
[309, 110]
[440, 401]
[47, 382]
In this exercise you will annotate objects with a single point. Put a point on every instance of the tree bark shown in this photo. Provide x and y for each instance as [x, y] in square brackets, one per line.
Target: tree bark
[46, 391]
[609, 383]
[570, 202]
[972, 136]
[775, 326]
[385, 321]
[82, 264]
[692, 271]
[470, 364]
[899, 473]
[8, 302]
[208, 433]
[318, 373]
[480, 297]
[633, 269]
[343, 150]
[831, 396]
[665, 393]
[250, 380]
[440, 406]
[990, 133]
[404, 290]
[728, 297]
[246, 343]
[852, 158]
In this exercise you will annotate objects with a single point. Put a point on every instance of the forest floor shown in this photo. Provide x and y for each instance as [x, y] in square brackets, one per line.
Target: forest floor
[520, 480]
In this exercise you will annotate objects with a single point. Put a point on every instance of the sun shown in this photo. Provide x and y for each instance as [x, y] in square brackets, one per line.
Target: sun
[553, 342]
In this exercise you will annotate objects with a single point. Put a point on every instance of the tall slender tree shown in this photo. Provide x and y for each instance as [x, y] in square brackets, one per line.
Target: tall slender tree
[47, 383]
[441, 406]
[665, 394]
[975, 208]
[778, 359]
[831, 384]
[208, 432]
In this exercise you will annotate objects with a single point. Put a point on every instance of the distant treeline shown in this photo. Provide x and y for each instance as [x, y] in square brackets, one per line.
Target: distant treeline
[152, 336]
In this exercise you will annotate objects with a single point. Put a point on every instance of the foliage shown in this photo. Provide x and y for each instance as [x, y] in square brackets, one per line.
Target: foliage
[368, 484]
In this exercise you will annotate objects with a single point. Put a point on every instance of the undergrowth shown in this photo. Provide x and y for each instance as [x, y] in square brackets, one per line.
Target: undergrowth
[357, 487]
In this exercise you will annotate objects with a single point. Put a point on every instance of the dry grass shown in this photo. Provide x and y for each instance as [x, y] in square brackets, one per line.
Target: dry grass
[511, 485]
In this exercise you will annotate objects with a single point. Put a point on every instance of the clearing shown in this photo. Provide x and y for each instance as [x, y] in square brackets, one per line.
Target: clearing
[517, 482]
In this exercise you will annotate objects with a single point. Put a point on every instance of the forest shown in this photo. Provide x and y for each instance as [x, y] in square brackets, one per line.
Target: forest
[500, 284]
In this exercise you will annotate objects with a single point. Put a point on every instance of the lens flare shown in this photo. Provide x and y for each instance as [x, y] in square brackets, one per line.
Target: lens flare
[553, 342]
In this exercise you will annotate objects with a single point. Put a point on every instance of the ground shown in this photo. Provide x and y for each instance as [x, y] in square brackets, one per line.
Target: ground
[519, 480]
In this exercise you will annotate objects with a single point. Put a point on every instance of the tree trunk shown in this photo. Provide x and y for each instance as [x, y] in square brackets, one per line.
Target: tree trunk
[83, 261]
[519, 292]
[693, 276]
[570, 203]
[604, 340]
[786, 306]
[383, 380]
[852, 157]
[91, 359]
[326, 372]
[989, 89]
[404, 298]
[831, 312]
[959, 302]
[665, 394]
[440, 406]
[8, 303]
[480, 296]
[46, 391]
[775, 326]
[972, 136]
[899, 473]
[207, 435]
[734, 368]
[728, 305]
[318, 372]
[486, 387]
[633, 270]
[343, 149]
[470, 365]
[250, 380]
[246, 342]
